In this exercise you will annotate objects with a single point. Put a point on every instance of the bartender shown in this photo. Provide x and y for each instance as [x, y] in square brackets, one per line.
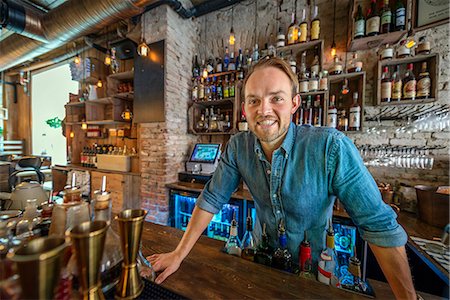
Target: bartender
[294, 174]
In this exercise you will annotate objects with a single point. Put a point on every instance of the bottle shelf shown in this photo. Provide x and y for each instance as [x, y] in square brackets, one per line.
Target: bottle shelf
[376, 41]
[221, 74]
[407, 60]
[314, 93]
[125, 96]
[214, 102]
[408, 102]
[300, 47]
[106, 122]
[334, 78]
[128, 75]
[75, 104]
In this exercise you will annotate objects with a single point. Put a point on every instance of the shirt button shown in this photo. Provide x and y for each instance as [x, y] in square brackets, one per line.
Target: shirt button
[274, 195]
[278, 211]
[268, 172]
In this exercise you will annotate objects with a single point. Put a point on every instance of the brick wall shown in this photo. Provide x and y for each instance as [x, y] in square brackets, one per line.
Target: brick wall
[164, 146]
[167, 144]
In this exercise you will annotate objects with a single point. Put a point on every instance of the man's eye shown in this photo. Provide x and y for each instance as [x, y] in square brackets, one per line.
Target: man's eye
[251, 101]
[277, 99]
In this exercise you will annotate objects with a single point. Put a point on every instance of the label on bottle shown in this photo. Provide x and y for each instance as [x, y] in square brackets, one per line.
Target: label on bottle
[195, 93]
[201, 93]
[226, 92]
[373, 25]
[303, 32]
[313, 85]
[423, 87]
[387, 53]
[281, 40]
[315, 69]
[303, 86]
[323, 84]
[315, 30]
[292, 35]
[409, 89]
[359, 28]
[332, 118]
[293, 67]
[386, 90]
[336, 69]
[386, 17]
[400, 17]
[355, 117]
[397, 90]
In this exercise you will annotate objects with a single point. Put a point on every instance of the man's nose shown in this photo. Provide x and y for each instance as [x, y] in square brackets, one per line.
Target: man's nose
[265, 108]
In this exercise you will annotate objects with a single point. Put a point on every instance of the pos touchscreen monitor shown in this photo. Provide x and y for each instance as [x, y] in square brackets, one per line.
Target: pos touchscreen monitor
[204, 158]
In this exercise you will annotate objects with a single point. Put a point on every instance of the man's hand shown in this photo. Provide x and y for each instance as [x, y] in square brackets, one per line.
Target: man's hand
[168, 263]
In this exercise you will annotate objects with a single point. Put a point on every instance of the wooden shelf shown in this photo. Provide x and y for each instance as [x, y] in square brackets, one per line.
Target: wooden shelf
[123, 75]
[73, 123]
[221, 74]
[333, 78]
[376, 41]
[125, 96]
[106, 100]
[408, 102]
[214, 102]
[407, 60]
[106, 122]
[314, 93]
[75, 104]
[300, 46]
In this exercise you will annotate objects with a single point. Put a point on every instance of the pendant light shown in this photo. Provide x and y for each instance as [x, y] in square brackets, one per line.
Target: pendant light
[143, 49]
[204, 70]
[232, 38]
[333, 45]
[99, 83]
[107, 60]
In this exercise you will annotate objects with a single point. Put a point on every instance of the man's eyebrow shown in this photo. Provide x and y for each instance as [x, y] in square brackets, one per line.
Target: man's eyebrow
[271, 94]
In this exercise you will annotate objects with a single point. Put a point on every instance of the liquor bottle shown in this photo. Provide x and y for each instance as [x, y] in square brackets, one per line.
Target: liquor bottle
[323, 80]
[373, 20]
[402, 50]
[239, 60]
[194, 93]
[409, 84]
[219, 67]
[423, 83]
[282, 258]
[355, 64]
[400, 15]
[201, 90]
[255, 54]
[248, 243]
[386, 86]
[243, 125]
[300, 112]
[226, 88]
[317, 112]
[219, 89]
[213, 88]
[208, 96]
[336, 67]
[226, 59]
[271, 50]
[293, 63]
[308, 113]
[315, 24]
[263, 253]
[232, 87]
[210, 65]
[248, 59]
[424, 46]
[313, 83]
[354, 269]
[232, 63]
[332, 113]
[293, 31]
[386, 18]
[359, 24]
[343, 120]
[387, 52]
[305, 258]
[281, 37]
[200, 126]
[328, 267]
[233, 245]
[315, 66]
[355, 114]
[303, 84]
[396, 85]
[196, 68]
[303, 28]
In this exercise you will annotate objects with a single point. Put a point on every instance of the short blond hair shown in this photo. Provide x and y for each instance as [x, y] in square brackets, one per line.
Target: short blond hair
[278, 63]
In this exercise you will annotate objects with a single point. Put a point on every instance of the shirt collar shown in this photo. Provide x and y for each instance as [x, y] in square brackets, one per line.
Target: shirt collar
[287, 144]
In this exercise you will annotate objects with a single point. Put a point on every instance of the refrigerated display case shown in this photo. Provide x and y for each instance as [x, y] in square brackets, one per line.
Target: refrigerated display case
[182, 204]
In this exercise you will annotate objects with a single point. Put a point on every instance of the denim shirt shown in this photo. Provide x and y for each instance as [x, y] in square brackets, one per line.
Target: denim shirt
[312, 167]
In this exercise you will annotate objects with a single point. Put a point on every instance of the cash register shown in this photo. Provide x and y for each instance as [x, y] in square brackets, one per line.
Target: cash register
[201, 164]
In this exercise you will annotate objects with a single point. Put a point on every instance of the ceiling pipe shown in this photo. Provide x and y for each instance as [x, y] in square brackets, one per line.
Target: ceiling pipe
[68, 21]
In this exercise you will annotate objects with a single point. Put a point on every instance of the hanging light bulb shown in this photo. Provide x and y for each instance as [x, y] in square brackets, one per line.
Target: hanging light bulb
[77, 59]
[99, 83]
[333, 49]
[143, 49]
[72, 134]
[84, 125]
[232, 37]
[127, 115]
[107, 58]
[204, 73]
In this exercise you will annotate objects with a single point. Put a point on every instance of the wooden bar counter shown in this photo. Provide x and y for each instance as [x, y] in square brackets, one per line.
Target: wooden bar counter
[208, 273]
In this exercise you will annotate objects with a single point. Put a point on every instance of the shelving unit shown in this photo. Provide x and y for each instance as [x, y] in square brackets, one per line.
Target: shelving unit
[432, 61]
[371, 42]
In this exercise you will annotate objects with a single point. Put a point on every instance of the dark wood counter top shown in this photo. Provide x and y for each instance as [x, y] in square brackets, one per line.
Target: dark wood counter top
[198, 187]
[81, 168]
[207, 273]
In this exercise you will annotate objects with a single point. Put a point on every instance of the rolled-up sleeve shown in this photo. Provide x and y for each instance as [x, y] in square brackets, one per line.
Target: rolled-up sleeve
[355, 187]
[223, 183]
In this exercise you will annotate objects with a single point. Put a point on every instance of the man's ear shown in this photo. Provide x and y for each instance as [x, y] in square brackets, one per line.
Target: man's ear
[243, 109]
[296, 101]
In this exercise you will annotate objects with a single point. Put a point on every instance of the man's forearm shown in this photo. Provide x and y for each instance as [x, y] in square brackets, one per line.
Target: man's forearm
[394, 263]
[199, 221]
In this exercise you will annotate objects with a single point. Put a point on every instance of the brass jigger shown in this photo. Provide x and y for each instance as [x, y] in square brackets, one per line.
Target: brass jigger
[130, 222]
[39, 264]
[88, 242]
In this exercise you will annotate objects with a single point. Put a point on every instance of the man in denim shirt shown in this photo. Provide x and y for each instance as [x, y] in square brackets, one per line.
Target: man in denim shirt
[294, 173]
